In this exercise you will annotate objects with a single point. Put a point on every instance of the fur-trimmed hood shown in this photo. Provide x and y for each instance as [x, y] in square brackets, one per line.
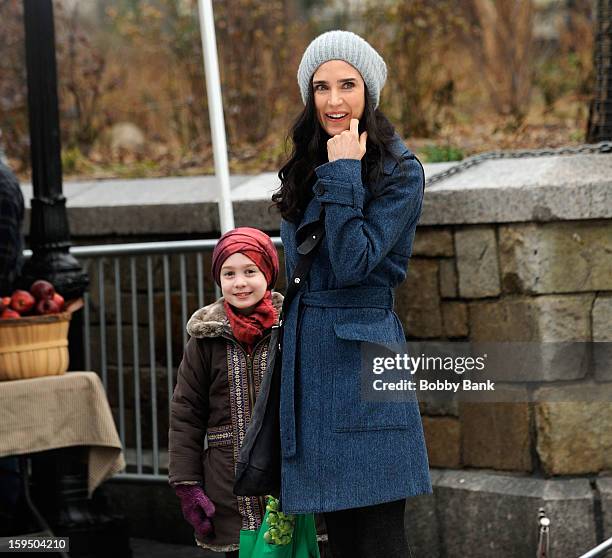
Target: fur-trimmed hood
[212, 321]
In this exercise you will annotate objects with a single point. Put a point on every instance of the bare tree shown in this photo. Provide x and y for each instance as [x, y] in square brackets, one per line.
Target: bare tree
[599, 127]
[499, 36]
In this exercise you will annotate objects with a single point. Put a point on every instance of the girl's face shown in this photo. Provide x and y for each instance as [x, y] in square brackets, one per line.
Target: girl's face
[339, 95]
[242, 283]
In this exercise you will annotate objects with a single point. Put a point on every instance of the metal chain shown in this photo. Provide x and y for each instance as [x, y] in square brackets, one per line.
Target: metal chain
[589, 148]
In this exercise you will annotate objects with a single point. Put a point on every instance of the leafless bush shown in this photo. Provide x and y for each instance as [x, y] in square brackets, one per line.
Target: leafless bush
[416, 38]
[499, 36]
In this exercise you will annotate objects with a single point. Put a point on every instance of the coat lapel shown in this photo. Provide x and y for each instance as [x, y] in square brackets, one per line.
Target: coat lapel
[313, 210]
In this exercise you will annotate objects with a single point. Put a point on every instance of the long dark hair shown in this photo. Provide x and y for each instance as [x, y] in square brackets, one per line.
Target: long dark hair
[309, 140]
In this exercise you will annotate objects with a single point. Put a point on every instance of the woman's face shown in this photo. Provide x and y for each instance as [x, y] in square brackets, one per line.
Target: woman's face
[242, 283]
[339, 95]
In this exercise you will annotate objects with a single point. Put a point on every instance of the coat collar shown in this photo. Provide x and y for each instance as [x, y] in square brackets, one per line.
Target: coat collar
[311, 215]
[212, 321]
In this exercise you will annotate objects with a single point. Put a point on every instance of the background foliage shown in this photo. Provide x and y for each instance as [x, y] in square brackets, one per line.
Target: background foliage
[464, 76]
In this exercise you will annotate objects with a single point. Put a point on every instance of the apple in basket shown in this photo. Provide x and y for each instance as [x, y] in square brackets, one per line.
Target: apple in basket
[42, 289]
[59, 300]
[22, 301]
[47, 306]
[9, 314]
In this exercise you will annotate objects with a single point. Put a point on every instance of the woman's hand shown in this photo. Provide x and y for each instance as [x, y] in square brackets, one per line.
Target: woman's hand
[347, 145]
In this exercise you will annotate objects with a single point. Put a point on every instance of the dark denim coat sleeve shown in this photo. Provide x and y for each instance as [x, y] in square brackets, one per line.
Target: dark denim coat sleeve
[340, 451]
[358, 237]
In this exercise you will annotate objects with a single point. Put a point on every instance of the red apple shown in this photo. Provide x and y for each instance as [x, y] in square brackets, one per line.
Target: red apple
[47, 306]
[22, 301]
[42, 289]
[59, 300]
[6, 301]
[9, 314]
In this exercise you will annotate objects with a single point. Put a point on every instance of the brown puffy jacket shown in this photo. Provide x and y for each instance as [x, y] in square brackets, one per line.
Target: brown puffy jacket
[216, 388]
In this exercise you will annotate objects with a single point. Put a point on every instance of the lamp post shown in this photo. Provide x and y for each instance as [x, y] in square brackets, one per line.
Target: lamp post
[49, 231]
[59, 477]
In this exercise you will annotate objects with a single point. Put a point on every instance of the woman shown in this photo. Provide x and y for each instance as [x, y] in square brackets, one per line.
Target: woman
[355, 461]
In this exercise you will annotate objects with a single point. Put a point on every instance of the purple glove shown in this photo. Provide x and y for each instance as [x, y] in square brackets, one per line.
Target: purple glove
[197, 508]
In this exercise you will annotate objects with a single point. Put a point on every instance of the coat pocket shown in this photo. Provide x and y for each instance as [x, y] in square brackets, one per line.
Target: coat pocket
[357, 342]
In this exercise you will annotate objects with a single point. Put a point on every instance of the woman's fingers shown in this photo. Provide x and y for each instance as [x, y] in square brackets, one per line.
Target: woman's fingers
[362, 140]
[348, 144]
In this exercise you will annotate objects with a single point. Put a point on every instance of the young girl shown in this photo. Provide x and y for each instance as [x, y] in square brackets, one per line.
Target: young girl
[218, 381]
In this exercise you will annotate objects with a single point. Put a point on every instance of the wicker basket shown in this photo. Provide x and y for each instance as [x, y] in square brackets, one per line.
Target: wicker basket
[34, 346]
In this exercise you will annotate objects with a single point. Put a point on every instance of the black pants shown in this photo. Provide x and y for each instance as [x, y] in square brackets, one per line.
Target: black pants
[233, 554]
[369, 532]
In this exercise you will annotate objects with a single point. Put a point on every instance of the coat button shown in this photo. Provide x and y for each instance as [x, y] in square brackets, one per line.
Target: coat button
[296, 280]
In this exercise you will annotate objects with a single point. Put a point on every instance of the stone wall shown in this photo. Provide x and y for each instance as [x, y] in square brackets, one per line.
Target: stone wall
[517, 282]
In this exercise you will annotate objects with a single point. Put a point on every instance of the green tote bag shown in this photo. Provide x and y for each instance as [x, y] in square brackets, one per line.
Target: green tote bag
[303, 542]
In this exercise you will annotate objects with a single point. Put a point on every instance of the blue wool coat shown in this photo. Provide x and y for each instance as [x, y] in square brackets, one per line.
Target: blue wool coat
[340, 452]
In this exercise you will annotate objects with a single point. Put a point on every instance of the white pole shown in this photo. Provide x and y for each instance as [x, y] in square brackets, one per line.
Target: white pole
[215, 110]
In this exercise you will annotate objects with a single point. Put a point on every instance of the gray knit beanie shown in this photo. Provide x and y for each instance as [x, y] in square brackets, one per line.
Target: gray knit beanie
[343, 45]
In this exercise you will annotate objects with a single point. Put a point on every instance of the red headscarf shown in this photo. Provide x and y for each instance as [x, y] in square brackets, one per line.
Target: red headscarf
[258, 247]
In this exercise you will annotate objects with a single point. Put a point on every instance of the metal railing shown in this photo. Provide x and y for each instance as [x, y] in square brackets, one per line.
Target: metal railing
[543, 549]
[121, 315]
[600, 550]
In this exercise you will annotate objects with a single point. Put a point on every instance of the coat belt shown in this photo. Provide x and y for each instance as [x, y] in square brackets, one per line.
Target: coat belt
[352, 297]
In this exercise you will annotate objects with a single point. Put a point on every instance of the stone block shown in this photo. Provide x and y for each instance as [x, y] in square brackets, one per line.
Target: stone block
[142, 308]
[565, 318]
[417, 300]
[484, 514]
[602, 335]
[477, 265]
[421, 526]
[448, 278]
[602, 318]
[144, 381]
[432, 241]
[439, 407]
[455, 319]
[504, 320]
[574, 436]
[556, 188]
[107, 345]
[558, 321]
[536, 258]
[496, 435]
[443, 439]
[604, 485]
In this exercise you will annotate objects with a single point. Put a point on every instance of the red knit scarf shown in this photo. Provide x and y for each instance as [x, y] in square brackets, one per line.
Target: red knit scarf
[249, 329]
